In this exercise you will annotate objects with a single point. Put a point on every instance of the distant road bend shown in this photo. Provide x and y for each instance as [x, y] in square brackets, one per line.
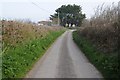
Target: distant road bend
[64, 60]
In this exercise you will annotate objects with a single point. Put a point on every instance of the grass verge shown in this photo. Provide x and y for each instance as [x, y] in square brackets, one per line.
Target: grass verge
[106, 64]
[17, 61]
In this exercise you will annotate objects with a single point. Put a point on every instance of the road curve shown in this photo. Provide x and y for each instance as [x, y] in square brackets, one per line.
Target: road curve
[64, 60]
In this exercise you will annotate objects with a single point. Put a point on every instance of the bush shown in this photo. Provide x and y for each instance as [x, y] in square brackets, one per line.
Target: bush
[15, 32]
[99, 38]
[103, 29]
[106, 64]
[23, 44]
[17, 61]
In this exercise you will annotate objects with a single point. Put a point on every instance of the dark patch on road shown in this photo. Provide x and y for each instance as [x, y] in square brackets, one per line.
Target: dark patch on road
[65, 65]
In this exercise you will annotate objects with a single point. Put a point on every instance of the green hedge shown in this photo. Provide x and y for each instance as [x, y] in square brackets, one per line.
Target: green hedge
[17, 61]
[106, 64]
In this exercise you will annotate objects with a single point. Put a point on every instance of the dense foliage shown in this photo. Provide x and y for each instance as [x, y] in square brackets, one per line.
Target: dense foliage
[69, 14]
[103, 29]
[23, 44]
[103, 32]
[107, 64]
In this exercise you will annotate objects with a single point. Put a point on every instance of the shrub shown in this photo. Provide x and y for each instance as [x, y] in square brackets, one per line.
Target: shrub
[103, 29]
[23, 43]
[103, 32]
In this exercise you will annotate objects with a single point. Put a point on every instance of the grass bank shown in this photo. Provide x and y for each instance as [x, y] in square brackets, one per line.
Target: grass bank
[107, 64]
[18, 60]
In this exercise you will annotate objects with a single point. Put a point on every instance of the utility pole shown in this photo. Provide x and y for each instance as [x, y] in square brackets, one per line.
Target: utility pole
[58, 19]
[119, 9]
[119, 12]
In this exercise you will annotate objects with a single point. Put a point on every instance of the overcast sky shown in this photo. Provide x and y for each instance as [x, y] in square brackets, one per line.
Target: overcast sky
[27, 9]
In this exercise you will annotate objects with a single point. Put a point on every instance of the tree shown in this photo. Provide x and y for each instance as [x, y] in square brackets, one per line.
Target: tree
[69, 14]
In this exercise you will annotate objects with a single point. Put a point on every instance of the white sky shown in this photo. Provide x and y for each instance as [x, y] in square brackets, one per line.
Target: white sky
[24, 9]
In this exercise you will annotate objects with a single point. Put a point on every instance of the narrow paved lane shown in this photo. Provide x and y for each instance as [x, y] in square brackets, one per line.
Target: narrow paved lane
[64, 60]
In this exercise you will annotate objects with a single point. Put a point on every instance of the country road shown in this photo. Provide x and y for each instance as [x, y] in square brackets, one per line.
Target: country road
[64, 60]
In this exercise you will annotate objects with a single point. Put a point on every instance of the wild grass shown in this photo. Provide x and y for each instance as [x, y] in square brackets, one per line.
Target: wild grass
[103, 28]
[99, 39]
[14, 32]
[17, 61]
[106, 64]
[23, 44]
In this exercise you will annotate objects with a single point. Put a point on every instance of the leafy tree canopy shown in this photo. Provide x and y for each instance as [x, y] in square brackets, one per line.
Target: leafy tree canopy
[69, 14]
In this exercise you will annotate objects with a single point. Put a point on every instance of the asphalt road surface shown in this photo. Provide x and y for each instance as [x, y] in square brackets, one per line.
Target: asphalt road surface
[64, 60]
